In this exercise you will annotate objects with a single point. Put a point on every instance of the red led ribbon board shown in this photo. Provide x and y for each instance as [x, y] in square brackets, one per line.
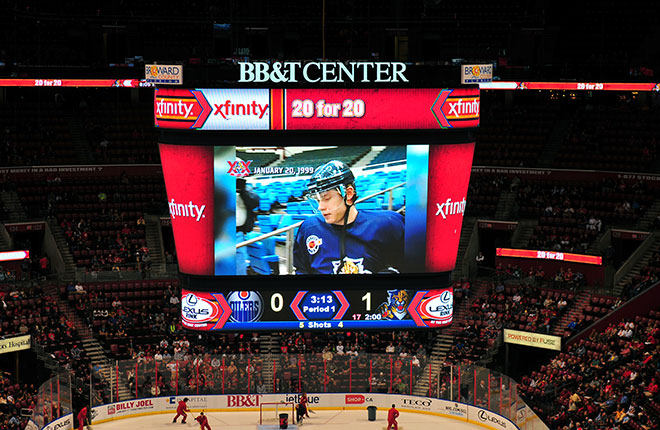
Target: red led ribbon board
[317, 109]
[77, 83]
[549, 255]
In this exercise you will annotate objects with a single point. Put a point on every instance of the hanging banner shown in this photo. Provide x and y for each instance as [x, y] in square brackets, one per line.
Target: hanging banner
[14, 344]
[536, 340]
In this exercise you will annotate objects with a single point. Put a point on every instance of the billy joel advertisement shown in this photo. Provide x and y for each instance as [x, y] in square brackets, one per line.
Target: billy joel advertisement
[312, 210]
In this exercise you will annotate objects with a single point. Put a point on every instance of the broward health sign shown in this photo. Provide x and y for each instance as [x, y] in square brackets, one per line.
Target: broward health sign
[326, 71]
[164, 74]
[13, 344]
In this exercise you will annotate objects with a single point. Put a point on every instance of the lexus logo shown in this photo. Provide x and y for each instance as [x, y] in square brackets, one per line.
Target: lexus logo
[484, 416]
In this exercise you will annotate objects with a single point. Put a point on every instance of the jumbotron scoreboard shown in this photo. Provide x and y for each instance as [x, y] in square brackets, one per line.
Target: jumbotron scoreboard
[410, 152]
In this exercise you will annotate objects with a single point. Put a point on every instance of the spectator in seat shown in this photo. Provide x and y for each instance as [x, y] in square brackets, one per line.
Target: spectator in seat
[651, 389]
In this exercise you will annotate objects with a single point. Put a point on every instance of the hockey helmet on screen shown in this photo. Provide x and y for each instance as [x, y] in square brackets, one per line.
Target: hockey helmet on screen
[332, 175]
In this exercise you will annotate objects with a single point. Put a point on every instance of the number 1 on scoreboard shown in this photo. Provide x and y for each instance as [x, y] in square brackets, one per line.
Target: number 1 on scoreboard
[367, 298]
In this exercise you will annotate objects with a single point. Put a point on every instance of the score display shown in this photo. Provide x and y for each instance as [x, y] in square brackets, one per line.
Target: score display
[322, 310]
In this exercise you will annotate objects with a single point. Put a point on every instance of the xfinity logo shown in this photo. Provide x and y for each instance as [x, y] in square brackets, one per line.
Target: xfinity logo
[291, 71]
[459, 107]
[175, 108]
[484, 416]
[450, 208]
[190, 210]
[229, 109]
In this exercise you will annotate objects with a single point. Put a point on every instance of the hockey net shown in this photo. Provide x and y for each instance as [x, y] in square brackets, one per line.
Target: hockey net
[269, 413]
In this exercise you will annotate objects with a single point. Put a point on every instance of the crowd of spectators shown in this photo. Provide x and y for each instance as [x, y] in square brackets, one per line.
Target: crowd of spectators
[518, 306]
[564, 278]
[125, 250]
[571, 215]
[647, 277]
[15, 398]
[127, 313]
[615, 136]
[484, 193]
[26, 309]
[606, 381]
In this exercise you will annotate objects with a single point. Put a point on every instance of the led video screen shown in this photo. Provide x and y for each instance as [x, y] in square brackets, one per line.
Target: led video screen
[339, 309]
[316, 210]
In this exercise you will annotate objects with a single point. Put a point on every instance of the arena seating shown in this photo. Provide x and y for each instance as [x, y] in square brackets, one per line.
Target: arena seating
[571, 215]
[484, 193]
[121, 132]
[604, 379]
[621, 138]
[117, 310]
[514, 137]
[15, 397]
[26, 141]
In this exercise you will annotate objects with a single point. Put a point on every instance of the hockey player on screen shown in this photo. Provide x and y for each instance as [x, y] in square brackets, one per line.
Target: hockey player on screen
[339, 239]
[181, 410]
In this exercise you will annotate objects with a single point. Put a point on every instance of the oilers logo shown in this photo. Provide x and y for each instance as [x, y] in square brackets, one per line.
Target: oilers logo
[396, 305]
[313, 243]
[246, 306]
[351, 266]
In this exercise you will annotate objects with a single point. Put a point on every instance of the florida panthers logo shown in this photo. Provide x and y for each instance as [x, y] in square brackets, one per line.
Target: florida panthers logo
[351, 266]
[396, 305]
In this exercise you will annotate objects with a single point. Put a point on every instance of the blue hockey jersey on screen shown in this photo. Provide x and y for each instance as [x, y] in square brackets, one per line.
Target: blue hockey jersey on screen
[374, 243]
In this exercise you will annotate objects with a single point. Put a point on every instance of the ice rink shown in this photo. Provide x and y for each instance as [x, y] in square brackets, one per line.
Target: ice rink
[328, 419]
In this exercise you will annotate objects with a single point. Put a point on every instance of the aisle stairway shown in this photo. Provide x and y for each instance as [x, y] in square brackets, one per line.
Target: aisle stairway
[268, 346]
[526, 231]
[69, 264]
[79, 139]
[155, 244]
[13, 206]
[574, 312]
[464, 241]
[505, 203]
[639, 265]
[5, 239]
[92, 347]
[645, 222]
